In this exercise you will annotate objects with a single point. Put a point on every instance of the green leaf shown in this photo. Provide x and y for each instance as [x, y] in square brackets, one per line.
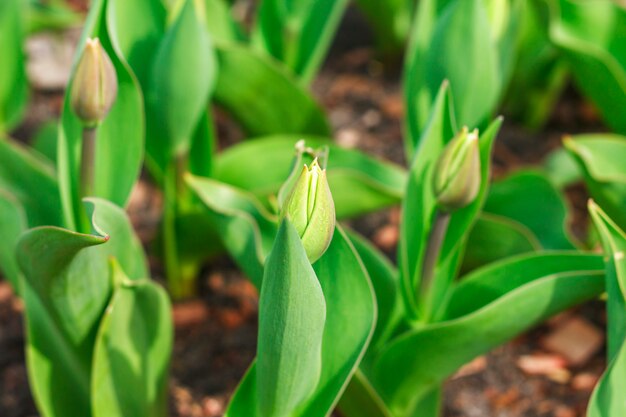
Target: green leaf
[384, 277]
[592, 36]
[285, 108]
[13, 82]
[292, 313]
[601, 159]
[460, 42]
[349, 325]
[72, 282]
[182, 78]
[132, 351]
[120, 137]
[607, 399]
[246, 228]
[495, 237]
[361, 399]
[45, 140]
[298, 33]
[529, 198]
[485, 285]
[31, 180]
[421, 359]
[360, 183]
[12, 223]
[220, 22]
[137, 28]
[66, 287]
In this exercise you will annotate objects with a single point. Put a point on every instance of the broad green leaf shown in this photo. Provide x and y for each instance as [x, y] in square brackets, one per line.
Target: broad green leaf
[298, 33]
[65, 289]
[529, 198]
[561, 168]
[359, 183]
[350, 319]
[13, 82]
[361, 399]
[540, 72]
[137, 28]
[132, 351]
[420, 360]
[12, 224]
[45, 140]
[220, 22]
[607, 399]
[246, 228]
[182, 78]
[73, 283]
[495, 237]
[31, 180]
[120, 137]
[242, 89]
[485, 285]
[390, 21]
[384, 277]
[470, 43]
[292, 314]
[592, 36]
[601, 159]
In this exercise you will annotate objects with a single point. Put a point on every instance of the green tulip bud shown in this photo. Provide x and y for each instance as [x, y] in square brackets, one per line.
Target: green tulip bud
[94, 87]
[456, 181]
[311, 210]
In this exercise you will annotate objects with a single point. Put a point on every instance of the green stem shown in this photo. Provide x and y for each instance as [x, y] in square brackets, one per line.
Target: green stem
[87, 175]
[181, 283]
[435, 241]
[87, 162]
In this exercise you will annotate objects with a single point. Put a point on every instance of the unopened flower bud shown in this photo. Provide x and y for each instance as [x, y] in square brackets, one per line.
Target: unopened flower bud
[456, 180]
[94, 87]
[311, 210]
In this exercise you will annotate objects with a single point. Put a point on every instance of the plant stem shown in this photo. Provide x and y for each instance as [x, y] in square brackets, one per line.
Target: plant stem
[435, 241]
[87, 162]
[180, 283]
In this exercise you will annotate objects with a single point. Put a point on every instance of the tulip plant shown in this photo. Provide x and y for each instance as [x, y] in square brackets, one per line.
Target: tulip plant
[428, 323]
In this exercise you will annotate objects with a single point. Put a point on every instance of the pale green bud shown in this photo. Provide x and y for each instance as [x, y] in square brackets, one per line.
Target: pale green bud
[311, 210]
[94, 87]
[456, 180]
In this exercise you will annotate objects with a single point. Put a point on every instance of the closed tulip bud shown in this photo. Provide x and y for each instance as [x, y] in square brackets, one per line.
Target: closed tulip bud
[94, 88]
[311, 210]
[456, 181]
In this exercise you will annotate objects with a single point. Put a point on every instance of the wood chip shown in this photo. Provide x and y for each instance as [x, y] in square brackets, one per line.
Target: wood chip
[577, 340]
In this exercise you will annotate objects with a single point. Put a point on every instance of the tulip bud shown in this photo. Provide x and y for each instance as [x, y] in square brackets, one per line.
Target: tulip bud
[456, 181]
[94, 88]
[311, 210]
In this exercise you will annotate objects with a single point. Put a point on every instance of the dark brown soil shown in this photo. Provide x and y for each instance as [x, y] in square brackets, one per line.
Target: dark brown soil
[216, 333]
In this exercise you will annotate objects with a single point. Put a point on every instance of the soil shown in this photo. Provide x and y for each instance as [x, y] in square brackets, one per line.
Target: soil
[215, 333]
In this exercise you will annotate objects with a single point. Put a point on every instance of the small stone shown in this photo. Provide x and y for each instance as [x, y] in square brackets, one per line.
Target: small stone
[541, 364]
[386, 237]
[212, 407]
[585, 381]
[564, 411]
[190, 313]
[348, 138]
[6, 292]
[577, 340]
